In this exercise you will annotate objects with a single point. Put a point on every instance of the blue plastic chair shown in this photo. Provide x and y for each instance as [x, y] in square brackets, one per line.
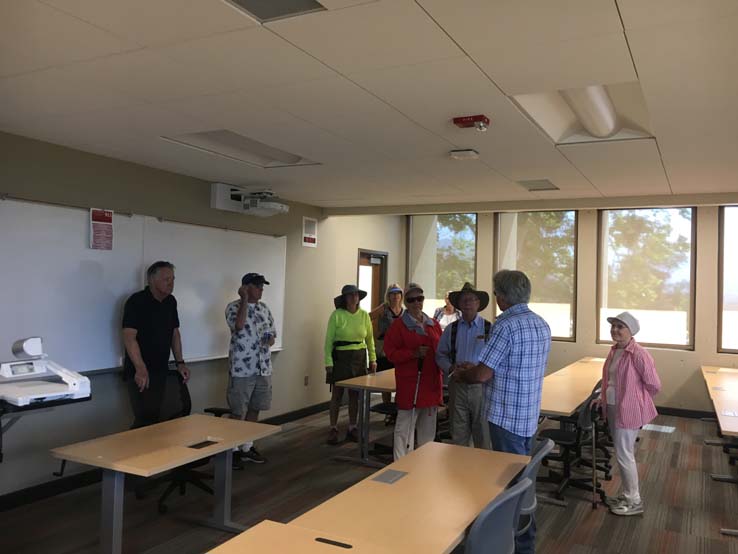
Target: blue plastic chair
[529, 501]
[495, 527]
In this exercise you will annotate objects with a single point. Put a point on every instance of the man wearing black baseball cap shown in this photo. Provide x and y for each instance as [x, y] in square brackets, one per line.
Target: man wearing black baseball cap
[250, 358]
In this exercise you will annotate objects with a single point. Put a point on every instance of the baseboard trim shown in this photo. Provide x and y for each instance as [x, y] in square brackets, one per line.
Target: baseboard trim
[50, 488]
[297, 414]
[681, 412]
[69, 483]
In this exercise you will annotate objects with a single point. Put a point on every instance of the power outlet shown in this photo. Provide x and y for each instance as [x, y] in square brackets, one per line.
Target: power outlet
[307, 380]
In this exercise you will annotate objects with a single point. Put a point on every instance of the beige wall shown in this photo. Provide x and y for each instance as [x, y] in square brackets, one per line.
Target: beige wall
[683, 386]
[43, 172]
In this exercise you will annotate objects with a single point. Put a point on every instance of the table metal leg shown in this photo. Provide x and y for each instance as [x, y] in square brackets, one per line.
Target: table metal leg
[363, 459]
[111, 521]
[221, 518]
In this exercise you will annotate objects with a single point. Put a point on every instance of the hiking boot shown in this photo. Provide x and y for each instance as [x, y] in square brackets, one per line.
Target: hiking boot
[253, 456]
[332, 436]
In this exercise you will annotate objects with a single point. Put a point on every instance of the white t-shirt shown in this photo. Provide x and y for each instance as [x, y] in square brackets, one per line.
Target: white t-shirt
[612, 377]
[447, 319]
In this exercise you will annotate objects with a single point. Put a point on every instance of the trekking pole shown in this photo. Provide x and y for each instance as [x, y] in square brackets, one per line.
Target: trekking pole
[411, 434]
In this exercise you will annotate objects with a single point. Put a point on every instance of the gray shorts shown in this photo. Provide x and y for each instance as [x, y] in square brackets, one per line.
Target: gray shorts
[249, 393]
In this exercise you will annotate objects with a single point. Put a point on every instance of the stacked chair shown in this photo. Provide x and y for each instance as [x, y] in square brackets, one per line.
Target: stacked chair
[580, 441]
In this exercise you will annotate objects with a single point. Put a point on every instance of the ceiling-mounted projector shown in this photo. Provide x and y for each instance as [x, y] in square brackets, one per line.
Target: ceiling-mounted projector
[256, 202]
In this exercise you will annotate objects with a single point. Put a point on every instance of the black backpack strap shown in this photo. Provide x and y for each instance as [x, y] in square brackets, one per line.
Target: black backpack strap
[454, 331]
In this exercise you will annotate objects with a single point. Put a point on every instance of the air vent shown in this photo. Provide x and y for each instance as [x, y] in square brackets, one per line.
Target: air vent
[273, 10]
[234, 146]
[537, 185]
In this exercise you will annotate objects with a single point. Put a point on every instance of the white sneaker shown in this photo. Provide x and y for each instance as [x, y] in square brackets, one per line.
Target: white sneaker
[613, 501]
[627, 509]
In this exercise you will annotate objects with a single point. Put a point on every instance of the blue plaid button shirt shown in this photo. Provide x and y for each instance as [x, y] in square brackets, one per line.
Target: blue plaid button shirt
[517, 352]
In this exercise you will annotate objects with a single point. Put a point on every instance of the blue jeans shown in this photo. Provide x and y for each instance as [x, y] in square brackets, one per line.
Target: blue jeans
[505, 441]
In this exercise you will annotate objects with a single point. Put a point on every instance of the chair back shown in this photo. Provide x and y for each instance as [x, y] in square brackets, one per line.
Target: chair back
[541, 449]
[495, 527]
[586, 412]
[176, 401]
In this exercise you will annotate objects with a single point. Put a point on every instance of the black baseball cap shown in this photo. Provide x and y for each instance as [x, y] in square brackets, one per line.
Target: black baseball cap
[254, 279]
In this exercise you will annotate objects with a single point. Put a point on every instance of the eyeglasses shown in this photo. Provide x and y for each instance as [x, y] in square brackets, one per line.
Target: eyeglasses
[414, 299]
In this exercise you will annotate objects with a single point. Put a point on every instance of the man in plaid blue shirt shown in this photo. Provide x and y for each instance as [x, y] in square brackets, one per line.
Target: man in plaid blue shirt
[512, 364]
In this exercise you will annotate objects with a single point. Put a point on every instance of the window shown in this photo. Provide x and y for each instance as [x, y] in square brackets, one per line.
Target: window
[543, 246]
[442, 254]
[728, 281]
[647, 267]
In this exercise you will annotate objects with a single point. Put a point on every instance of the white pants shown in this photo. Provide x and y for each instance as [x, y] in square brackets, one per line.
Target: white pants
[424, 421]
[624, 441]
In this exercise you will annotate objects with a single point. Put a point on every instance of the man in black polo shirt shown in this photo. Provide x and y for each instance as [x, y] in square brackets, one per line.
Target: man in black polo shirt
[150, 331]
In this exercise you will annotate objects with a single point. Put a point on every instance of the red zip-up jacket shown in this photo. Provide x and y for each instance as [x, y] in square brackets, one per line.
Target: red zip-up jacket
[400, 345]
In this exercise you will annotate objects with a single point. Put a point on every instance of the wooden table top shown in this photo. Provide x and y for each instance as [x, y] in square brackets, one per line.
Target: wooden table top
[722, 386]
[566, 389]
[157, 448]
[427, 510]
[270, 537]
[382, 381]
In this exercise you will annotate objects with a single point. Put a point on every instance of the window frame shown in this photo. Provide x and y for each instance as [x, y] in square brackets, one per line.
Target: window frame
[721, 274]
[496, 267]
[409, 241]
[602, 262]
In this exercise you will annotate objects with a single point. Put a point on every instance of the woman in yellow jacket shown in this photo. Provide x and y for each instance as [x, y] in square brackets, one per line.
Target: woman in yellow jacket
[348, 339]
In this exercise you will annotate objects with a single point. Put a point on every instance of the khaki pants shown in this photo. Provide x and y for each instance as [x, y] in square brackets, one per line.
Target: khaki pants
[468, 414]
[424, 422]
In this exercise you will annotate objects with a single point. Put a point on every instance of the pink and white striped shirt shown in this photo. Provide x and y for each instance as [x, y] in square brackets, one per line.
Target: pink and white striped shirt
[637, 383]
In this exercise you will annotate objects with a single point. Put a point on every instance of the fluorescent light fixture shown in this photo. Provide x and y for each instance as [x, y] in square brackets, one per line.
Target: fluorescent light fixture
[594, 110]
[589, 114]
[233, 146]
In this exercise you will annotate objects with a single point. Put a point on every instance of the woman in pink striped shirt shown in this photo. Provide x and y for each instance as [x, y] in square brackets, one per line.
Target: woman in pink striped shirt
[629, 383]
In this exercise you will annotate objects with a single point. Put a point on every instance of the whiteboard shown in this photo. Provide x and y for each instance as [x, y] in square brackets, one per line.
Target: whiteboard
[209, 265]
[55, 287]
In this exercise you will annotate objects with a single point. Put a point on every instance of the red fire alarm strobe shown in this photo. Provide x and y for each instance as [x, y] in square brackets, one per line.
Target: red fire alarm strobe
[480, 122]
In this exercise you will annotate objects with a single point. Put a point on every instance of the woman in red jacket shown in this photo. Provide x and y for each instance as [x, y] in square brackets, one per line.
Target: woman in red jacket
[410, 343]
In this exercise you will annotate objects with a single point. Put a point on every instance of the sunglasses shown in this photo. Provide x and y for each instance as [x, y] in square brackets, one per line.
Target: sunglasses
[414, 299]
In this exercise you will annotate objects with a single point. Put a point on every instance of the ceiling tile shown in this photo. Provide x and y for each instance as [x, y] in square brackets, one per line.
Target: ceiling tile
[35, 36]
[539, 45]
[347, 110]
[56, 91]
[368, 36]
[247, 59]
[152, 23]
[688, 77]
[257, 119]
[620, 168]
[638, 14]
[150, 76]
